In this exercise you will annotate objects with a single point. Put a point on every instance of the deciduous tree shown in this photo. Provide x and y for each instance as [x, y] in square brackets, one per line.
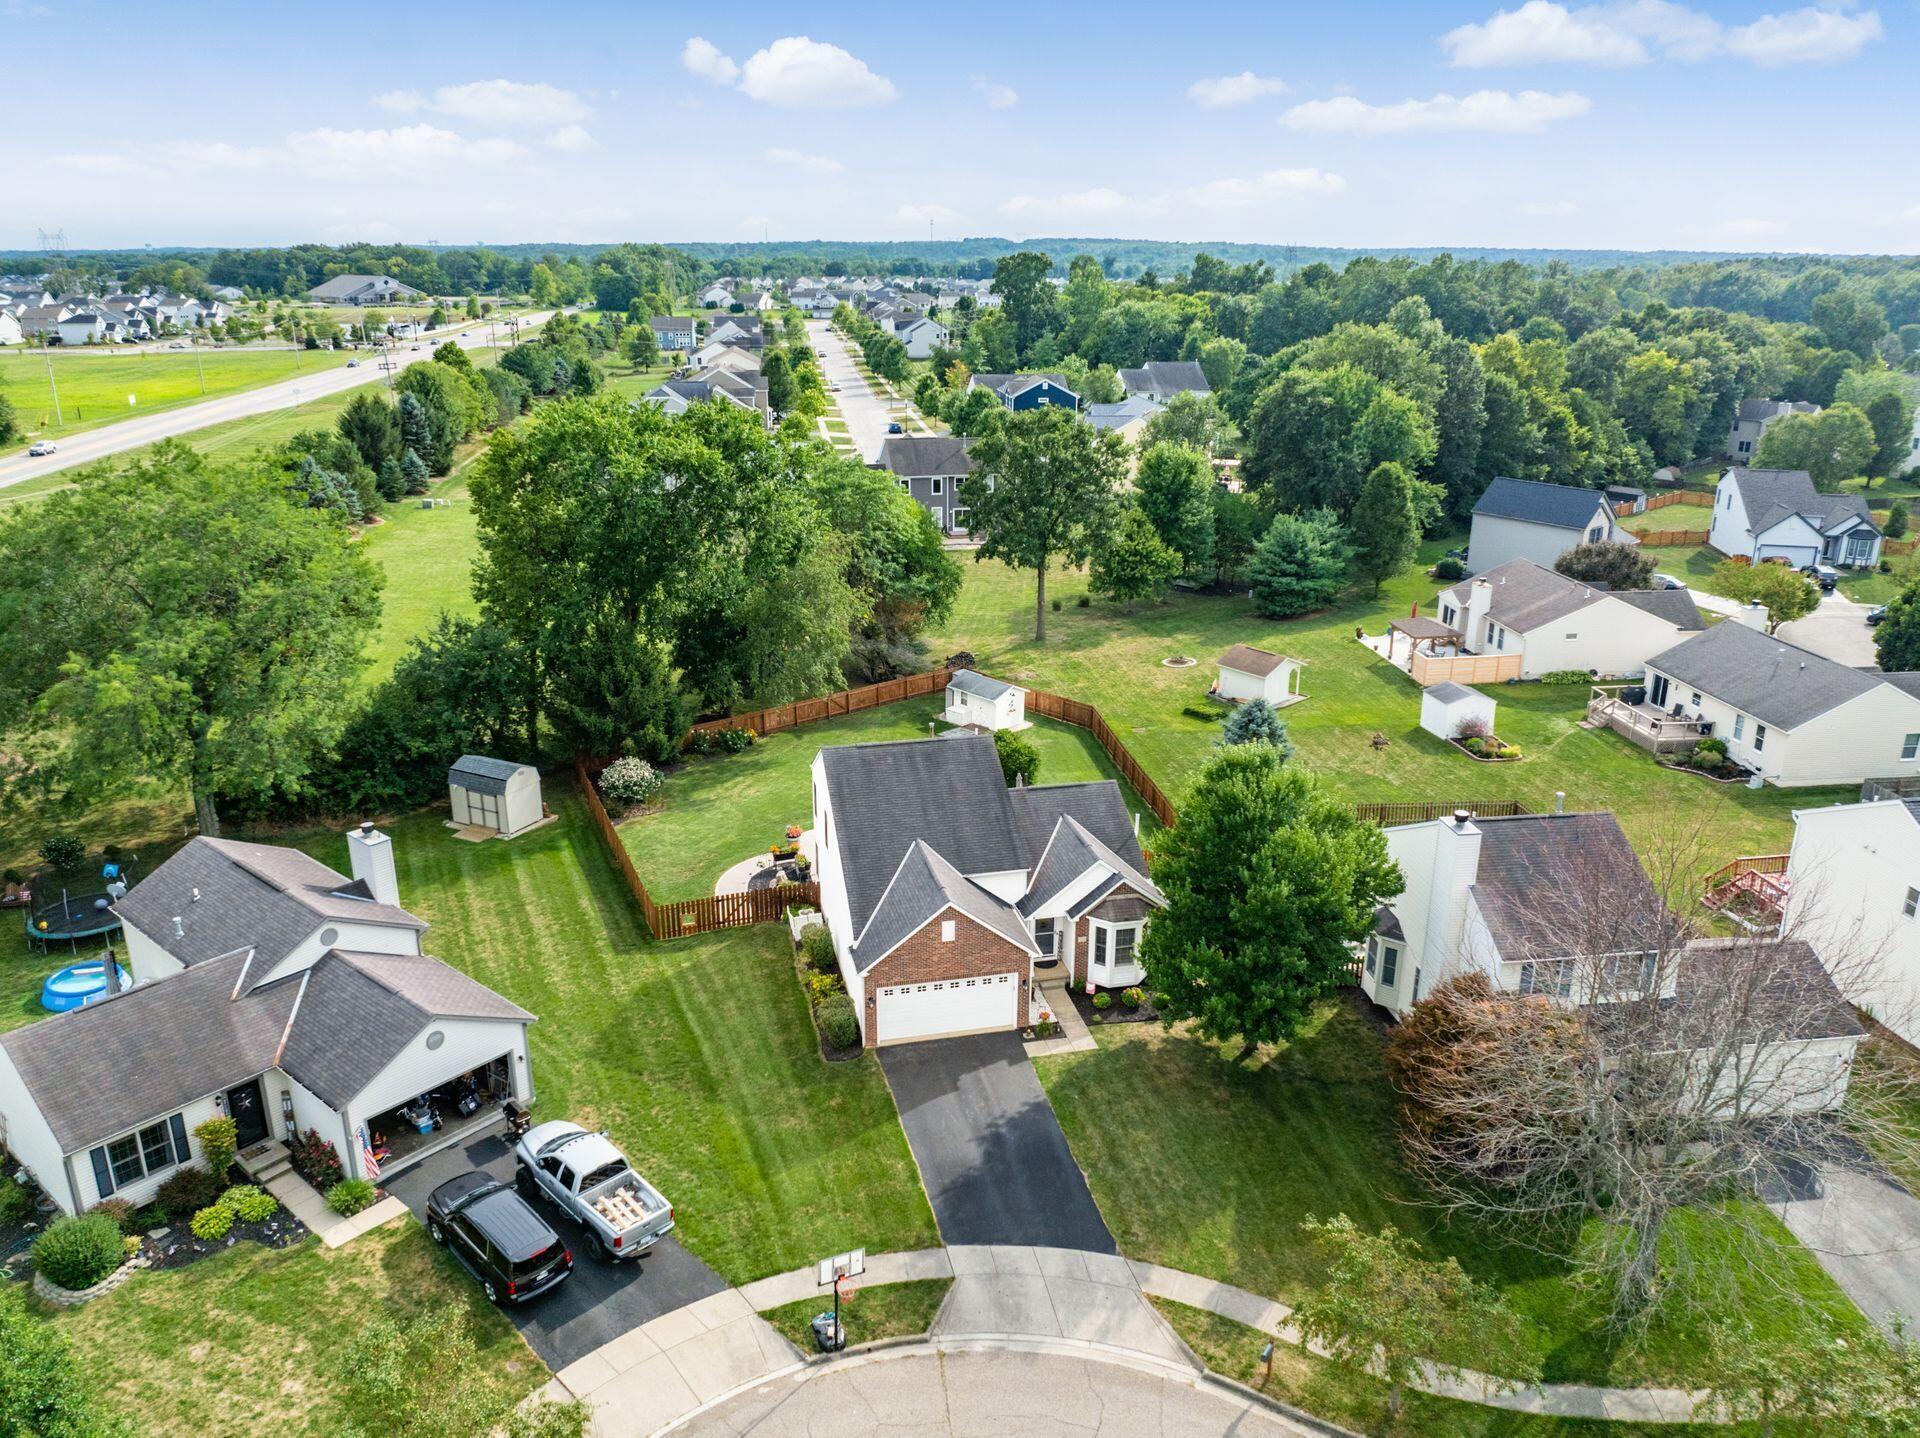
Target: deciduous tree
[1618, 566]
[1176, 488]
[1133, 562]
[1786, 593]
[1382, 531]
[1836, 444]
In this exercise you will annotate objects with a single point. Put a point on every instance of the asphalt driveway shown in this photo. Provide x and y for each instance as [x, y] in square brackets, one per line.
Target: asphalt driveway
[1837, 630]
[602, 1300]
[994, 1161]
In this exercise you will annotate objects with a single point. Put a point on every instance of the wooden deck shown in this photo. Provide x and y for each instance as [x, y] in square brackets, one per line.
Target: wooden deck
[1752, 890]
[1643, 724]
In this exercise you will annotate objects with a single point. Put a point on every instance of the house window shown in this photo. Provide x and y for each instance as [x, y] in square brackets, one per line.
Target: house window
[141, 1155]
[1739, 726]
[1596, 534]
[1373, 945]
[1696, 698]
[939, 485]
[1389, 964]
[1490, 629]
[1044, 936]
[1124, 938]
[1546, 976]
[1910, 746]
[1912, 906]
[1759, 737]
[946, 931]
[1446, 614]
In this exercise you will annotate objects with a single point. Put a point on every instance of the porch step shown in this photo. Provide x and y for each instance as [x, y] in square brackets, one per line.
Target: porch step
[268, 1173]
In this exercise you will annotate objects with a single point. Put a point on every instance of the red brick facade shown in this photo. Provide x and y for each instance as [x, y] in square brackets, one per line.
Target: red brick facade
[974, 951]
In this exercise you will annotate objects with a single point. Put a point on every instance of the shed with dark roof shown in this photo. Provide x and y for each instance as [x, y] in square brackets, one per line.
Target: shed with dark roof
[495, 794]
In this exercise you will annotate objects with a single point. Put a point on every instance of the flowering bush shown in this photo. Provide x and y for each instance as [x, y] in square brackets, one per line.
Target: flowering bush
[316, 1158]
[630, 781]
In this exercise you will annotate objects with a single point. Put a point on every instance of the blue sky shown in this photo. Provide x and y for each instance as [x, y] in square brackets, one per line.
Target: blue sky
[1640, 124]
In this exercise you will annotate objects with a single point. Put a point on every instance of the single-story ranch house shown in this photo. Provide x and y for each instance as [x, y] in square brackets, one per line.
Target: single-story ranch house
[1555, 623]
[269, 988]
[1778, 514]
[1515, 899]
[1524, 519]
[361, 290]
[948, 894]
[1789, 714]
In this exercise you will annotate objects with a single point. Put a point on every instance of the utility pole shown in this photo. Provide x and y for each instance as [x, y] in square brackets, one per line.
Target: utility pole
[193, 342]
[46, 353]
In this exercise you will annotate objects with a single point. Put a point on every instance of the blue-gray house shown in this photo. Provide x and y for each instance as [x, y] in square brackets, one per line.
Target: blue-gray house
[1028, 391]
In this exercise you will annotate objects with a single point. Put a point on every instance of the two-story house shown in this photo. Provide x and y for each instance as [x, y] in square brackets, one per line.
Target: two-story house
[1027, 391]
[1751, 421]
[1555, 623]
[1524, 519]
[931, 467]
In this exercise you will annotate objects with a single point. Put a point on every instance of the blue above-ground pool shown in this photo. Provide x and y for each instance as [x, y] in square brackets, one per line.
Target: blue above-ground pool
[77, 984]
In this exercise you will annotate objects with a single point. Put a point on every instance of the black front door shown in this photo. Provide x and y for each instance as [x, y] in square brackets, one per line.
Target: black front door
[248, 1113]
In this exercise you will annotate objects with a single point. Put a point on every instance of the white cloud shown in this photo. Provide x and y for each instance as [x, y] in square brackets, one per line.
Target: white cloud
[799, 72]
[997, 96]
[1633, 32]
[1547, 209]
[215, 155]
[918, 217]
[704, 58]
[1263, 189]
[502, 104]
[801, 160]
[1497, 112]
[410, 149]
[1814, 36]
[1218, 94]
[570, 139]
[1078, 207]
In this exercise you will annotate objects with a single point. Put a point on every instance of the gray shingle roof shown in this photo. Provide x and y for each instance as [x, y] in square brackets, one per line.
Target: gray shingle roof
[923, 886]
[1763, 676]
[1121, 414]
[1096, 804]
[1676, 606]
[1071, 851]
[1539, 874]
[1166, 377]
[261, 896]
[942, 454]
[1447, 692]
[970, 681]
[482, 773]
[1526, 596]
[1563, 506]
[1249, 660]
[1752, 411]
[1009, 385]
[1771, 495]
[1796, 998]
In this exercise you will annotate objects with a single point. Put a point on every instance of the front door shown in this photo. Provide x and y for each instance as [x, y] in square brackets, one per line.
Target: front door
[248, 1113]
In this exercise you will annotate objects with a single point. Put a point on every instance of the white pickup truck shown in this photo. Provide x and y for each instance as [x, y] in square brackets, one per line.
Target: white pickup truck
[585, 1175]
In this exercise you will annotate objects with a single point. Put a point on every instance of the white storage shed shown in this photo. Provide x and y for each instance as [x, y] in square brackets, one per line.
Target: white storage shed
[495, 794]
[1249, 673]
[974, 699]
[1445, 707]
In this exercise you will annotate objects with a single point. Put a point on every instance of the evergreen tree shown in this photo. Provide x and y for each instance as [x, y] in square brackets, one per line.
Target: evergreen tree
[413, 470]
[392, 479]
[1301, 565]
[416, 428]
[1257, 722]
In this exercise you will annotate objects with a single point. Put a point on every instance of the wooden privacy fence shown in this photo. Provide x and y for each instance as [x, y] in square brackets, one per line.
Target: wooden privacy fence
[848, 701]
[1672, 538]
[1387, 815]
[1085, 716]
[686, 916]
[1430, 669]
[1661, 501]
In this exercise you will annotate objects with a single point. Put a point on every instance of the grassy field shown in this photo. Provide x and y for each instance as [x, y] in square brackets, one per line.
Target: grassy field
[249, 1341]
[697, 1056]
[895, 1310]
[1111, 657]
[1210, 1166]
[427, 556]
[1359, 1403]
[715, 812]
[94, 383]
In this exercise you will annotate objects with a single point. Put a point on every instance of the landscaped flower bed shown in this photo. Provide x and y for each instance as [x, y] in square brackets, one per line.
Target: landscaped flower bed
[1109, 1006]
[833, 1016]
[1708, 759]
[1487, 748]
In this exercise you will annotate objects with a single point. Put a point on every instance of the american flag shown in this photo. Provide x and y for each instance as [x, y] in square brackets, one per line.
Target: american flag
[367, 1160]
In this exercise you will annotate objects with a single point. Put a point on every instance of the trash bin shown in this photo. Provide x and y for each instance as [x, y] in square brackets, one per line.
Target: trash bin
[830, 1334]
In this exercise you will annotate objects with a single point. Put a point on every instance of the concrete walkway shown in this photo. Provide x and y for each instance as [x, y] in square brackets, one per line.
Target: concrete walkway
[1865, 1232]
[1074, 1036]
[1004, 1296]
[304, 1202]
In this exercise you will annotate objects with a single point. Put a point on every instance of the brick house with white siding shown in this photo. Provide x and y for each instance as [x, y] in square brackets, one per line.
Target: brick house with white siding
[949, 895]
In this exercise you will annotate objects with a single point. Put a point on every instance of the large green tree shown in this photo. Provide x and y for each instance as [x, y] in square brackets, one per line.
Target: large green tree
[179, 623]
[1382, 530]
[1836, 444]
[1133, 562]
[1300, 566]
[1270, 881]
[1896, 641]
[1316, 434]
[1027, 299]
[1175, 485]
[1054, 493]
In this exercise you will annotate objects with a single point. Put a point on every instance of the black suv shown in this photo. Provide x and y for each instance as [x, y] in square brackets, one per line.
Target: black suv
[498, 1237]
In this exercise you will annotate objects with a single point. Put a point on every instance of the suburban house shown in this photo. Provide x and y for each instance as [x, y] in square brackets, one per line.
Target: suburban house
[738, 330]
[976, 701]
[673, 332]
[921, 337]
[1524, 519]
[1852, 890]
[10, 331]
[930, 467]
[1788, 714]
[1249, 673]
[1161, 380]
[273, 990]
[1027, 391]
[83, 327]
[950, 896]
[1127, 418]
[1555, 623]
[1515, 899]
[362, 290]
[1751, 420]
[715, 294]
[1778, 514]
[677, 396]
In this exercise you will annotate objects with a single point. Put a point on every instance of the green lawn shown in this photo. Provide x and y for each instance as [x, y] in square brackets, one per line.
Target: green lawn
[1210, 1166]
[1111, 657]
[248, 1341]
[1355, 1401]
[697, 1056]
[427, 556]
[715, 812]
[94, 383]
[896, 1310]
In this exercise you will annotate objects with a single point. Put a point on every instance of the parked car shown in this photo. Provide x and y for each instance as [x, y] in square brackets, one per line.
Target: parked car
[1824, 575]
[177, 345]
[896, 428]
[498, 1238]
[1876, 614]
[1667, 581]
[587, 1177]
[44, 447]
[353, 364]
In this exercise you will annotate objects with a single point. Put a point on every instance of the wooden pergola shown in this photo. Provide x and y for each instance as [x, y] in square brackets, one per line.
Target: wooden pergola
[1419, 630]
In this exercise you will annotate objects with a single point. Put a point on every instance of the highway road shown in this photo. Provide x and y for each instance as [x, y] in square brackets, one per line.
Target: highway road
[112, 439]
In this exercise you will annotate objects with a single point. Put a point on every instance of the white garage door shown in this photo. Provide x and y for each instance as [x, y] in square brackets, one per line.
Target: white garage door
[947, 1006]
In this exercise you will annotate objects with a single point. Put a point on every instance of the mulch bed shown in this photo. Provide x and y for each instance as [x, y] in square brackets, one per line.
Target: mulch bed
[1115, 1013]
[178, 1247]
[1485, 758]
[1736, 776]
